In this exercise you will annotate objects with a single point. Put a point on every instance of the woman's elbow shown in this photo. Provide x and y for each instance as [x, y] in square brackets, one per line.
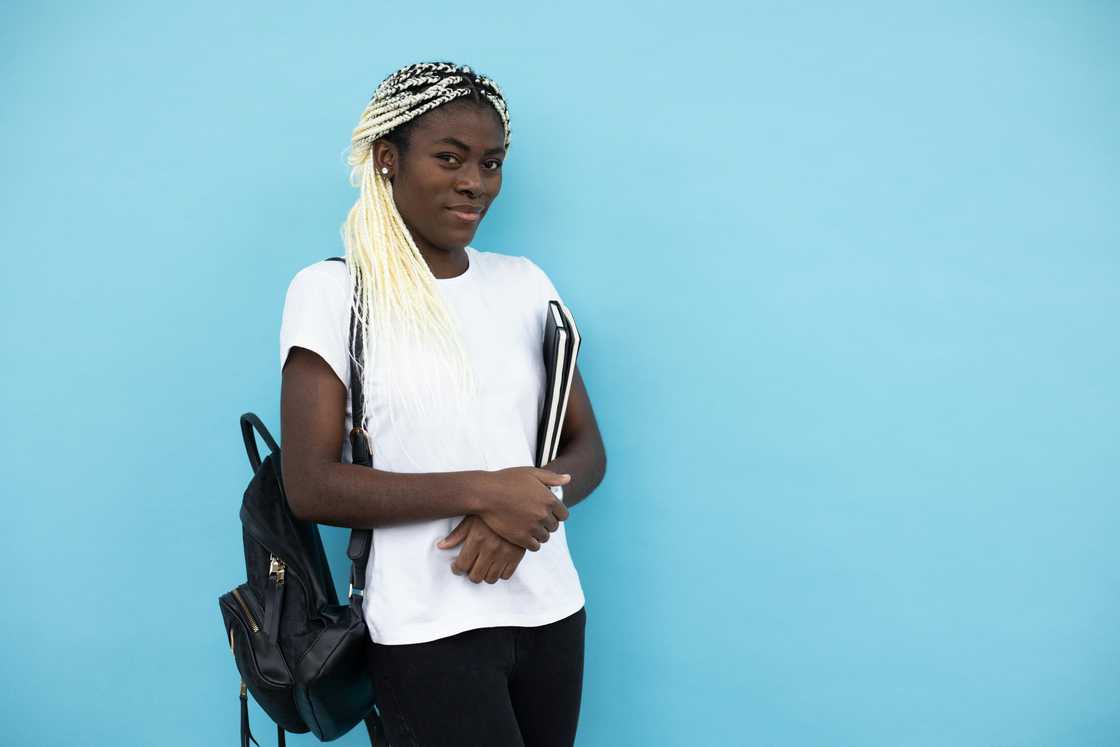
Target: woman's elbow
[298, 493]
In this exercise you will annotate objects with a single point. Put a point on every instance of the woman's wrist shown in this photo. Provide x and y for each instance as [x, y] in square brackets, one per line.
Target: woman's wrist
[476, 491]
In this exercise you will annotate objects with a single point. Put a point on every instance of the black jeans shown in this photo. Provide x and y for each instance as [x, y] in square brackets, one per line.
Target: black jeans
[507, 686]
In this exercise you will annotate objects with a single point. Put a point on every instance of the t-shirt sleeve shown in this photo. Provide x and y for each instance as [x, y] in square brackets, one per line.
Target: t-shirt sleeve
[317, 317]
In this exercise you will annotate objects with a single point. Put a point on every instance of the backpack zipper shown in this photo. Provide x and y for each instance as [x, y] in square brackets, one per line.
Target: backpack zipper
[276, 569]
[245, 608]
[274, 562]
[274, 597]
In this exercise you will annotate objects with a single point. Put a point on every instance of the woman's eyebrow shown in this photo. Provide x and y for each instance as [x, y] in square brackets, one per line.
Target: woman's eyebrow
[460, 144]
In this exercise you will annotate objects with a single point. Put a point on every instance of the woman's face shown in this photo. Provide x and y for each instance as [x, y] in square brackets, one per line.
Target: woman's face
[449, 174]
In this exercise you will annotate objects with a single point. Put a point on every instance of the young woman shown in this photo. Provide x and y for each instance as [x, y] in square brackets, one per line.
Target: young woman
[453, 378]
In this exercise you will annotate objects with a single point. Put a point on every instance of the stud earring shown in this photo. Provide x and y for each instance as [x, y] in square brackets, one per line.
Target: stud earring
[384, 170]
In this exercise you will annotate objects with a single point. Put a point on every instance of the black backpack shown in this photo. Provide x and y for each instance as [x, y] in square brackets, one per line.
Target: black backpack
[299, 651]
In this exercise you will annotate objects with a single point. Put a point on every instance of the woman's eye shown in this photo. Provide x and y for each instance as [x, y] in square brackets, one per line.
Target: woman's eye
[491, 165]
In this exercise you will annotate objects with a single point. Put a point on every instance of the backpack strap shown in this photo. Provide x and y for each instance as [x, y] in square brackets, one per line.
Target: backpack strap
[376, 730]
[249, 421]
[360, 539]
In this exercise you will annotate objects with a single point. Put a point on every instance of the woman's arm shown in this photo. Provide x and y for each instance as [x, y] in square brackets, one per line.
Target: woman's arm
[581, 453]
[322, 489]
[515, 501]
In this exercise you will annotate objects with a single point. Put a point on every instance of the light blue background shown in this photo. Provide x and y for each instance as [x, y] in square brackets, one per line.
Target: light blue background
[849, 277]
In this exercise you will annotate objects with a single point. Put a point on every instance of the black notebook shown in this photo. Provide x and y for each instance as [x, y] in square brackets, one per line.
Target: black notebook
[561, 346]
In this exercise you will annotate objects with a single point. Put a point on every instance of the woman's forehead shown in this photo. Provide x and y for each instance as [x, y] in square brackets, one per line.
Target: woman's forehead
[474, 127]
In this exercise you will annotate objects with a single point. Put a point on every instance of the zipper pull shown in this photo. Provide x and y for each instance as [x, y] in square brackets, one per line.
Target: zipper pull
[246, 735]
[274, 598]
[276, 569]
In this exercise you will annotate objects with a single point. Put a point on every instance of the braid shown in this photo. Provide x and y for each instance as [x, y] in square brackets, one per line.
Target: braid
[415, 89]
[404, 321]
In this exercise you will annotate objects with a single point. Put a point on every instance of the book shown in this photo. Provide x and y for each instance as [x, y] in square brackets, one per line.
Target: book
[561, 348]
[573, 341]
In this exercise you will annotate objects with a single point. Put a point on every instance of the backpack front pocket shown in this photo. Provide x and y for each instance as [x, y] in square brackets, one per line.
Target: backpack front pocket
[262, 667]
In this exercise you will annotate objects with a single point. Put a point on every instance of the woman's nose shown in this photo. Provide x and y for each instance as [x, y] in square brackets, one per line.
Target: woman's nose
[471, 180]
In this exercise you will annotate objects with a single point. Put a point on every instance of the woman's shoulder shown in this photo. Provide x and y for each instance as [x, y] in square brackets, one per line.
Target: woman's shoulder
[329, 275]
[324, 285]
[325, 273]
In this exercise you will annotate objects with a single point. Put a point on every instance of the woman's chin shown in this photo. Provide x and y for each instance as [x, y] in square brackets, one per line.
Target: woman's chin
[458, 239]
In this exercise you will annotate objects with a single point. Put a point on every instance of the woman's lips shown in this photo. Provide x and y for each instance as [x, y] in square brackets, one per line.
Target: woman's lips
[466, 216]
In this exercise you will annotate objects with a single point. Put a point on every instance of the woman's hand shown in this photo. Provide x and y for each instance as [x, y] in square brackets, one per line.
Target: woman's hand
[485, 554]
[520, 507]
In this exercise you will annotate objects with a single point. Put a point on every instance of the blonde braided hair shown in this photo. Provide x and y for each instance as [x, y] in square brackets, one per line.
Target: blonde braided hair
[404, 321]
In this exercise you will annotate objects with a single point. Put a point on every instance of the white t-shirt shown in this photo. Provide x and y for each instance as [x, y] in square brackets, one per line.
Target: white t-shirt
[412, 595]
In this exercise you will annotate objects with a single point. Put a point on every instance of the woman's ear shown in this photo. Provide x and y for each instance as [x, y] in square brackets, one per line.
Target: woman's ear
[385, 156]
